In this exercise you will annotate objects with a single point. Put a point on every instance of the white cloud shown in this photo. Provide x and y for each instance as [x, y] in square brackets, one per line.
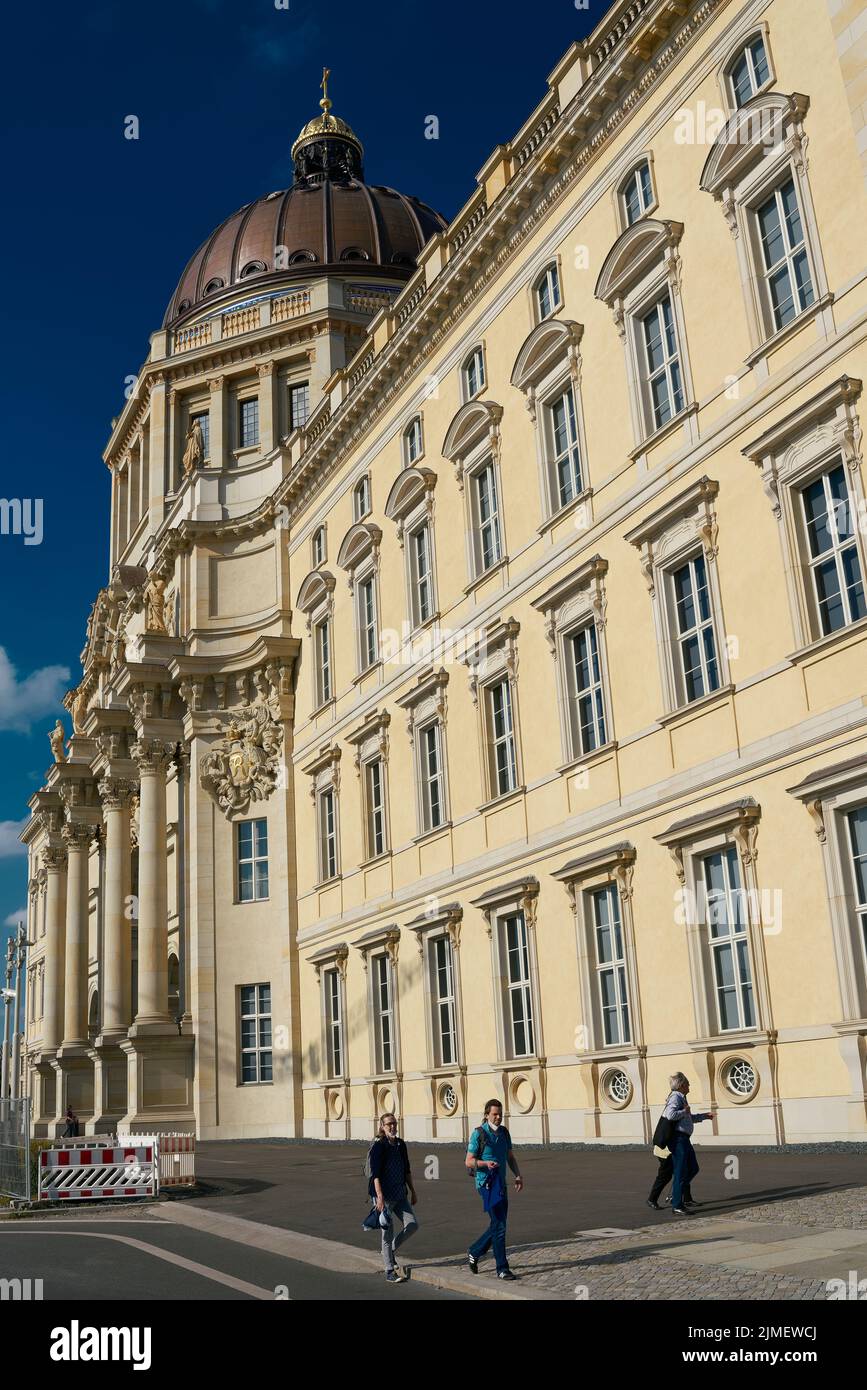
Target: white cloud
[15, 917]
[9, 843]
[37, 695]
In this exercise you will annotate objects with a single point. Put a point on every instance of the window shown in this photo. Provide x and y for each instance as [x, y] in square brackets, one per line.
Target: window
[662, 364]
[366, 617]
[787, 282]
[488, 549]
[698, 670]
[835, 570]
[333, 1024]
[585, 693]
[374, 798]
[254, 1008]
[432, 777]
[383, 1013]
[327, 809]
[323, 662]
[204, 419]
[412, 442]
[474, 374]
[548, 292]
[248, 423]
[299, 405]
[252, 860]
[749, 72]
[610, 966]
[501, 738]
[319, 546]
[728, 939]
[421, 578]
[361, 498]
[442, 974]
[564, 450]
[519, 1004]
[857, 824]
[636, 193]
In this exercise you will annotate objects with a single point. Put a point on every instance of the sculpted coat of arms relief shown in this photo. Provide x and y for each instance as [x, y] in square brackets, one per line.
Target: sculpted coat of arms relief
[243, 765]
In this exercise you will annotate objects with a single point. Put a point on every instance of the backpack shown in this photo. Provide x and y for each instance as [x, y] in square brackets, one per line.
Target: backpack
[480, 1130]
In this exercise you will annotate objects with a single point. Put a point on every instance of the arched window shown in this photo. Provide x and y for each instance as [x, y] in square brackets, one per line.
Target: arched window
[749, 71]
[548, 292]
[413, 446]
[214, 285]
[299, 257]
[253, 268]
[354, 253]
[473, 373]
[636, 193]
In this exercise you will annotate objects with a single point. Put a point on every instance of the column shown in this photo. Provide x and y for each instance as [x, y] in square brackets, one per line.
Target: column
[77, 838]
[54, 860]
[116, 794]
[268, 423]
[152, 757]
[217, 418]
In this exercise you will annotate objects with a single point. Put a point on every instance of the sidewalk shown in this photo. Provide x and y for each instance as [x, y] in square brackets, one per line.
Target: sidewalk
[783, 1250]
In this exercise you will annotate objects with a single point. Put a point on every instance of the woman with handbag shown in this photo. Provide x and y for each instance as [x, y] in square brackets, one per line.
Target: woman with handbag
[673, 1133]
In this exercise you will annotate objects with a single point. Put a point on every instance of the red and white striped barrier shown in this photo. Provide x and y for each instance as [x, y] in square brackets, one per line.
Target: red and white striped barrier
[82, 1173]
[176, 1157]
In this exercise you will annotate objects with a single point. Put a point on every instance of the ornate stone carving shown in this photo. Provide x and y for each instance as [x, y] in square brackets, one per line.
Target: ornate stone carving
[194, 448]
[243, 765]
[57, 738]
[116, 793]
[54, 858]
[151, 755]
[76, 835]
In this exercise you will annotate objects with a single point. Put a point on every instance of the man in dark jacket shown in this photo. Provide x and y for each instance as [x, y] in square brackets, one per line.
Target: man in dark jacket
[390, 1181]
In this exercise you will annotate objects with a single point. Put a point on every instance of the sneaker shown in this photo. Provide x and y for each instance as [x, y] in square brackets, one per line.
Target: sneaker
[400, 1274]
[655, 1205]
[691, 1202]
[681, 1211]
[391, 1277]
[473, 1263]
[506, 1274]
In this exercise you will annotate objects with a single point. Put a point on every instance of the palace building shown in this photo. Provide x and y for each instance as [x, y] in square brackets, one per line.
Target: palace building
[477, 701]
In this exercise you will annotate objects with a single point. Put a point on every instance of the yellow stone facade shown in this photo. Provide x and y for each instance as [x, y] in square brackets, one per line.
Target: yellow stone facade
[524, 645]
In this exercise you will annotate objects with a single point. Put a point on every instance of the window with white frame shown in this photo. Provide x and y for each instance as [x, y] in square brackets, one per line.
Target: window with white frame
[361, 504]
[786, 280]
[748, 72]
[425, 704]
[611, 974]
[563, 447]
[520, 1035]
[335, 1060]
[318, 547]
[811, 473]
[251, 857]
[586, 694]
[697, 667]
[421, 574]
[412, 442]
[493, 666]
[441, 964]
[376, 837]
[662, 379]
[248, 422]
[548, 292]
[574, 610]
[857, 824]
[678, 546]
[359, 556]
[299, 404]
[323, 678]
[636, 193]
[473, 373]
[728, 940]
[254, 1032]
[431, 772]
[383, 1013]
[365, 611]
[503, 766]
[410, 506]
[487, 541]
[326, 808]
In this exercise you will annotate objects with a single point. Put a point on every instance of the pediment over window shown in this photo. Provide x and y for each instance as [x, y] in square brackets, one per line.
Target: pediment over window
[361, 540]
[473, 422]
[315, 590]
[410, 489]
[747, 136]
[551, 342]
[634, 253]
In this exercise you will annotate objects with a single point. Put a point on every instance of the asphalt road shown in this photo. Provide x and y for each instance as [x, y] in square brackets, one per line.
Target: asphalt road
[319, 1189]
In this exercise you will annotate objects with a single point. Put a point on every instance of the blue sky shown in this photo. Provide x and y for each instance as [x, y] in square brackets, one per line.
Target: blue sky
[97, 229]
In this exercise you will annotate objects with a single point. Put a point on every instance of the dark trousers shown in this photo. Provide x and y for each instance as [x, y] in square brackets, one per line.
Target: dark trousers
[664, 1177]
[495, 1235]
[685, 1165]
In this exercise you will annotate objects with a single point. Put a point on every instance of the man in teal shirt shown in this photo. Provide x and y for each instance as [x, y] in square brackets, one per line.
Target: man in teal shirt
[488, 1153]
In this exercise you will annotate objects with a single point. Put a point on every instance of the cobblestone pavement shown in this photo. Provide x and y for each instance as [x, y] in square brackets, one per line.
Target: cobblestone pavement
[826, 1229]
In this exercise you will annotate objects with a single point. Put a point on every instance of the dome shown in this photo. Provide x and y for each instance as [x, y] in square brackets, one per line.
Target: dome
[328, 219]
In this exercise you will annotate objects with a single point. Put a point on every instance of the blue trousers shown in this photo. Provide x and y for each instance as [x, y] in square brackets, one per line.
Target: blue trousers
[685, 1166]
[494, 1236]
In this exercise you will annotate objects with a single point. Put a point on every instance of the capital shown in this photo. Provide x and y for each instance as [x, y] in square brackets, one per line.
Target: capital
[116, 793]
[76, 835]
[151, 756]
[54, 858]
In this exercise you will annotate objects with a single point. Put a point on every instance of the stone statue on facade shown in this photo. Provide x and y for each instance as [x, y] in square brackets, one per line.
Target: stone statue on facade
[194, 448]
[155, 605]
[57, 738]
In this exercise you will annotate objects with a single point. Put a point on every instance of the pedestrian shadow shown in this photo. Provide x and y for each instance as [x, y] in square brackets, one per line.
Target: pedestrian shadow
[777, 1194]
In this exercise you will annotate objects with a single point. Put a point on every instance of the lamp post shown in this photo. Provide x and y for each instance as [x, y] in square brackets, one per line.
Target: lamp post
[7, 1019]
[20, 964]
